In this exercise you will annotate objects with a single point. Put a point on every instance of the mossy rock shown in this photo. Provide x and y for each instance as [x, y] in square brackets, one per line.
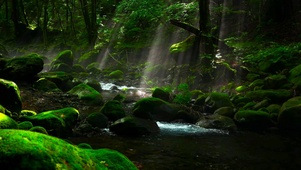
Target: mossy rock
[7, 123]
[25, 125]
[20, 149]
[113, 110]
[10, 96]
[241, 89]
[225, 111]
[62, 79]
[256, 83]
[23, 67]
[77, 68]
[276, 96]
[161, 94]
[261, 104]
[88, 58]
[65, 57]
[253, 120]
[117, 74]
[290, 115]
[87, 94]
[216, 121]
[57, 122]
[84, 146]
[217, 100]
[61, 67]
[39, 129]
[183, 45]
[252, 76]
[120, 97]
[155, 109]
[46, 85]
[275, 81]
[28, 113]
[94, 83]
[5, 111]
[97, 119]
[133, 126]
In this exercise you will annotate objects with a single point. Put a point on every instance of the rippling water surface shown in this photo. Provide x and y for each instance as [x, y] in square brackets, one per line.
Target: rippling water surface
[182, 146]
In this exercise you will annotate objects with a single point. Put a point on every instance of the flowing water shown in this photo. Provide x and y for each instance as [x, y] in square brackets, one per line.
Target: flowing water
[189, 147]
[182, 146]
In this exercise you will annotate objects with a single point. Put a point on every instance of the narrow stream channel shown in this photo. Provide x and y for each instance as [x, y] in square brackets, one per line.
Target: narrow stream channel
[189, 147]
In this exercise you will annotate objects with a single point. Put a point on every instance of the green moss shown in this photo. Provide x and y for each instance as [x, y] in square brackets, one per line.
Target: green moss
[276, 96]
[10, 96]
[252, 119]
[183, 45]
[97, 120]
[39, 129]
[46, 85]
[28, 113]
[113, 110]
[84, 146]
[117, 74]
[65, 56]
[87, 93]
[21, 149]
[241, 89]
[25, 125]
[161, 94]
[7, 123]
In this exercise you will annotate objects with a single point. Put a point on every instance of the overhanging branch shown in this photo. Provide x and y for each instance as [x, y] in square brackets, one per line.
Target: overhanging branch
[185, 26]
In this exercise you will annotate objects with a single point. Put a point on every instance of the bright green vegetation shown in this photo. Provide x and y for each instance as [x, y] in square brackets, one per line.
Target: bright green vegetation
[20, 149]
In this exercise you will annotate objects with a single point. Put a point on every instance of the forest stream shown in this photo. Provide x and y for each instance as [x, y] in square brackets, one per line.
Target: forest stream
[183, 146]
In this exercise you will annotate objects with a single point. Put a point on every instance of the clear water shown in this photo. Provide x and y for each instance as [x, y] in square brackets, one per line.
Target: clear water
[181, 147]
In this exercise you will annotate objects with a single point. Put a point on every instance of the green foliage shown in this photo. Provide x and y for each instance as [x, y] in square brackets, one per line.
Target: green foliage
[275, 53]
[138, 17]
[185, 12]
[184, 94]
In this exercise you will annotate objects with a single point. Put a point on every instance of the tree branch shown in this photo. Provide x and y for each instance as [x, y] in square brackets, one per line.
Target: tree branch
[186, 27]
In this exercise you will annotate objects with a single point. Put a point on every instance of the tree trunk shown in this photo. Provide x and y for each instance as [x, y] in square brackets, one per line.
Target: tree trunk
[45, 22]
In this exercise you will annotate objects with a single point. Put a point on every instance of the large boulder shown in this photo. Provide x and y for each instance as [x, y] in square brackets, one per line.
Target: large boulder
[20, 149]
[217, 122]
[217, 100]
[65, 56]
[97, 119]
[62, 79]
[113, 110]
[7, 123]
[10, 96]
[289, 117]
[22, 68]
[57, 122]
[46, 85]
[275, 96]
[253, 120]
[155, 109]
[161, 94]
[87, 94]
[133, 126]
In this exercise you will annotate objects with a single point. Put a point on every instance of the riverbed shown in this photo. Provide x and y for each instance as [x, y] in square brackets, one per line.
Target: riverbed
[184, 147]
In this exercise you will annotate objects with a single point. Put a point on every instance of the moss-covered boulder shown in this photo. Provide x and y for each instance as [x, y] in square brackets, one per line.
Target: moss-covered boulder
[62, 79]
[217, 100]
[133, 126]
[10, 96]
[57, 122]
[94, 83]
[117, 74]
[60, 67]
[84, 146]
[77, 68]
[89, 57]
[87, 94]
[25, 125]
[7, 123]
[155, 109]
[97, 119]
[20, 149]
[113, 110]
[276, 96]
[65, 56]
[46, 85]
[225, 111]
[290, 114]
[253, 120]
[256, 83]
[216, 121]
[275, 81]
[161, 94]
[39, 129]
[22, 68]
[27, 113]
